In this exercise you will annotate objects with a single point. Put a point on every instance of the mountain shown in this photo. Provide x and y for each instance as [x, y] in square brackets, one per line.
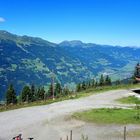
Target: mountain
[27, 60]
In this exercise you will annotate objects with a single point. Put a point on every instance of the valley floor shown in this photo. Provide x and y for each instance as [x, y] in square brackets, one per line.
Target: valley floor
[53, 121]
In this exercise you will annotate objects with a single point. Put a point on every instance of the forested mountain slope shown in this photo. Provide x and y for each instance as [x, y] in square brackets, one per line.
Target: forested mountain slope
[30, 60]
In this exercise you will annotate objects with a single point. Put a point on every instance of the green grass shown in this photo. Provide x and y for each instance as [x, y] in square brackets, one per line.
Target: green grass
[129, 100]
[109, 116]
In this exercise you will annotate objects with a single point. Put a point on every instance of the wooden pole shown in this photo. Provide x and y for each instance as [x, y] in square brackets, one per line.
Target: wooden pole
[125, 133]
[71, 135]
[27, 98]
[67, 138]
[52, 84]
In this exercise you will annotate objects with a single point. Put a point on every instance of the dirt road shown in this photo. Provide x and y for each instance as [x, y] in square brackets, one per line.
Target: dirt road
[52, 121]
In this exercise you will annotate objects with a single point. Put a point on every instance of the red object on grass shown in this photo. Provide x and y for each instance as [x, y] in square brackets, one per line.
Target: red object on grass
[18, 138]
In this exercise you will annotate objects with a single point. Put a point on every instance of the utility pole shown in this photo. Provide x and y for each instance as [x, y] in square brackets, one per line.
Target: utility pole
[52, 82]
[27, 98]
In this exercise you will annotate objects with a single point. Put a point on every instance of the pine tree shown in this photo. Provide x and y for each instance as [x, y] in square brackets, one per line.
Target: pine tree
[107, 81]
[26, 94]
[32, 93]
[66, 91]
[37, 93]
[41, 93]
[88, 84]
[101, 82]
[11, 95]
[136, 74]
[93, 83]
[50, 91]
[117, 82]
[83, 85]
[96, 83]
[58, 89]
[78, 87]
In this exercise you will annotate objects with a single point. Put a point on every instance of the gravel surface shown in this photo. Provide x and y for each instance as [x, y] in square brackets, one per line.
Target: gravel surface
[52, 121]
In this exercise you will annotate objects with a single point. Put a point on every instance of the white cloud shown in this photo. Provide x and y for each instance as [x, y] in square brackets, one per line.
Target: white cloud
[2, 19]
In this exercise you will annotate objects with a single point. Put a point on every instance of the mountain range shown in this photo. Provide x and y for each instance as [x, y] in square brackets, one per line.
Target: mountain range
[31, 60]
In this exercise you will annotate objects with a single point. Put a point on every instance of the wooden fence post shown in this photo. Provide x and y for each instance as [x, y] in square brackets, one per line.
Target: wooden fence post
[67, 138]
[71, 135]
[125, 133]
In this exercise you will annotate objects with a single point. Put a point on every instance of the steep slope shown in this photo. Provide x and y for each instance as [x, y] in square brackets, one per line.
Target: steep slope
[27, 60]
[116, 61]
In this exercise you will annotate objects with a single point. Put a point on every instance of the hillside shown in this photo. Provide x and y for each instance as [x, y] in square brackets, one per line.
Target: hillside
[27, 60]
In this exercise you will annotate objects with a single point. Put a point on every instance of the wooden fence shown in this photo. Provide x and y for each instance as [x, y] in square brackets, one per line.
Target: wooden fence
[70, 137]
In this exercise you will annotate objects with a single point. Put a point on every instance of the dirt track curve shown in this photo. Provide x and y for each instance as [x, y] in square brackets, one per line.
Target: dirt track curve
[50, 122]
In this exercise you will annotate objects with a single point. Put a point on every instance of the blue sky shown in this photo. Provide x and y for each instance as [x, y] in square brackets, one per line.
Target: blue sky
[114, 22]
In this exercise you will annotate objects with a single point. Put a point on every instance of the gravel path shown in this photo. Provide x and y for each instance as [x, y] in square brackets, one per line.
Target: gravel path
[52, 121]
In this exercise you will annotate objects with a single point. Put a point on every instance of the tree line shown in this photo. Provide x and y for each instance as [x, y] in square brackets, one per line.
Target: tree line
[33, 93]
[103, 81]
